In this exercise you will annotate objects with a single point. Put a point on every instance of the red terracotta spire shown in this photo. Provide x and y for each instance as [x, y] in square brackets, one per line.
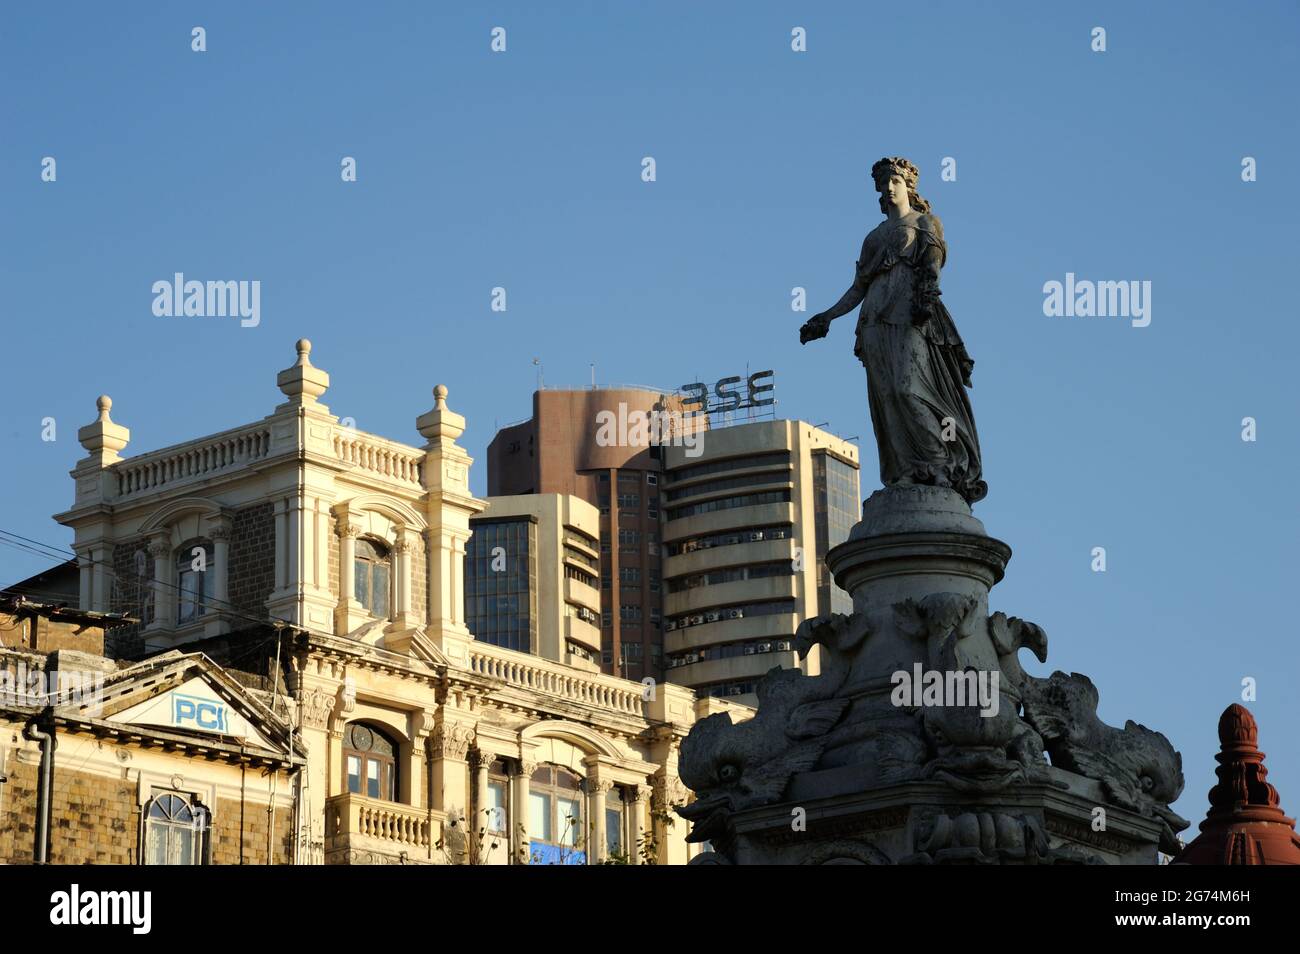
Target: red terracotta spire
[1245, 824]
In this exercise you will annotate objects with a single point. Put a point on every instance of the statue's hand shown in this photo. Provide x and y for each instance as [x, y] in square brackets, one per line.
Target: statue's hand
[815, 327]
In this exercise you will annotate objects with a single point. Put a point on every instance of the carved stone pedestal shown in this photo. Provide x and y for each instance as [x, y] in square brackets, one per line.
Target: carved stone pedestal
[923, 740]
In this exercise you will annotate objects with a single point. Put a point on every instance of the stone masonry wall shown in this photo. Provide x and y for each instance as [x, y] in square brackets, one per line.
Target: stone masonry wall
[131, 594]
[96, 820]
[252, 560]
[239, 834]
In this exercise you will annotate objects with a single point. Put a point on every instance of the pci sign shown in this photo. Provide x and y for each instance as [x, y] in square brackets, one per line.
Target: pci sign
[193, 712]
[730, 395]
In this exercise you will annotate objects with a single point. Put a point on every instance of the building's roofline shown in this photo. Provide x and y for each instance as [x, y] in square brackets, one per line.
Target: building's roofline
[61, 611]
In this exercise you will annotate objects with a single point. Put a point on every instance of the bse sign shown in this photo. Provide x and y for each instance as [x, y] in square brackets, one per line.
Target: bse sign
[729, 395]
[194, 712]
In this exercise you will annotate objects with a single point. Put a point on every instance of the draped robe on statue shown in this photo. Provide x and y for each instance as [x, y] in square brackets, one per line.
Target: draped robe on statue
[917, 374]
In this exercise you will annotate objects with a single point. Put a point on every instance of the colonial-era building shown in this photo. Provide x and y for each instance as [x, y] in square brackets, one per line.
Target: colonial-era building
[168, 760]
[324, 566]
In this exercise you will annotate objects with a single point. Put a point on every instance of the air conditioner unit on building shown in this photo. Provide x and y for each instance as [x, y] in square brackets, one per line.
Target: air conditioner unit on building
[783, 646]
[749, 650]
[764, 647]
[712, 616]
[756, 535]
[735, 691]
[670, 625]
[735, 614]
[697, 619]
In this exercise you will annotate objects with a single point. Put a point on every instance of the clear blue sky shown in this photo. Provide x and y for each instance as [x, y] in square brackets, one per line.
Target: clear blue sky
[522, 170]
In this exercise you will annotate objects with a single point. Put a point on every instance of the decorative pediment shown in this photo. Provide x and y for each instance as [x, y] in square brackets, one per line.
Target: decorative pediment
[187, 694]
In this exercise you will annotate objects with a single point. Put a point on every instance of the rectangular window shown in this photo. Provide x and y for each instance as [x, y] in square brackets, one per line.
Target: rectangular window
[613, 831]
[380, 591]
[372, 778]
[570, 821]
[496, 807]
[354, 774]
[539, 816]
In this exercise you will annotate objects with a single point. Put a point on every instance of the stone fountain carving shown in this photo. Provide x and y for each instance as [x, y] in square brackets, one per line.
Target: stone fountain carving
[923, 740]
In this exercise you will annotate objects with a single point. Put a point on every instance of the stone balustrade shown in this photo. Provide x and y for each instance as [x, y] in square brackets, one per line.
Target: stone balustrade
[370, 824]
[541, 675]
[378, 457]
[195, 461]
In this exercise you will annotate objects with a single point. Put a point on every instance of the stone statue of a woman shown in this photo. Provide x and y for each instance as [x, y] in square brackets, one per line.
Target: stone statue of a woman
[917, 366]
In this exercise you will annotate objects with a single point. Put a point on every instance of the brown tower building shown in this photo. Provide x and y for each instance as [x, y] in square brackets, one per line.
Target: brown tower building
[602, 445]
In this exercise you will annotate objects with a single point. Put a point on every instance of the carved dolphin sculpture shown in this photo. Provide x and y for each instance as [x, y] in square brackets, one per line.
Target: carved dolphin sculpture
[731, 767]
[1137, 767]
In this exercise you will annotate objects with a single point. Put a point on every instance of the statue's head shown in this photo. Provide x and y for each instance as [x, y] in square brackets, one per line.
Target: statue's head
[895, 176]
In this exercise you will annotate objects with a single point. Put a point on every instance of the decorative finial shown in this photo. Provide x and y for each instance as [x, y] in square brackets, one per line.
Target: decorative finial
[103, 438]
[442, 424]
[302, 382]
[1237, 728]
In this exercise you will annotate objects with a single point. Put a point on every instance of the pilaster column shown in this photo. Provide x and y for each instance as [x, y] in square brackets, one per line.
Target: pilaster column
[520, 784]
[448, 753]
[164, 598]
[482, 763]
[85, 581]
[281, 545]
[398, 636]
[220, 536]
[101, 573]
[347, 611]
[639, 796]
[597, 789]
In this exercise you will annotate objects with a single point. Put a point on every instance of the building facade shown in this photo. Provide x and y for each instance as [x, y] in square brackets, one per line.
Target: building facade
[326, 567]
[747, 526]
[164, 761]
[532, 577]
[596, 445]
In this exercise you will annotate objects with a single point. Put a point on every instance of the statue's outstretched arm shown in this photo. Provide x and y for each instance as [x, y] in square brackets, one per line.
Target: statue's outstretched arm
[820, 323]
[848, 301]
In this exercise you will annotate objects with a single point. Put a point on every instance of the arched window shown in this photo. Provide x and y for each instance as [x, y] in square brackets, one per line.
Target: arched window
[370, 762]
[194, 576]
[555, 818]
[175, 831]
[372, 571]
